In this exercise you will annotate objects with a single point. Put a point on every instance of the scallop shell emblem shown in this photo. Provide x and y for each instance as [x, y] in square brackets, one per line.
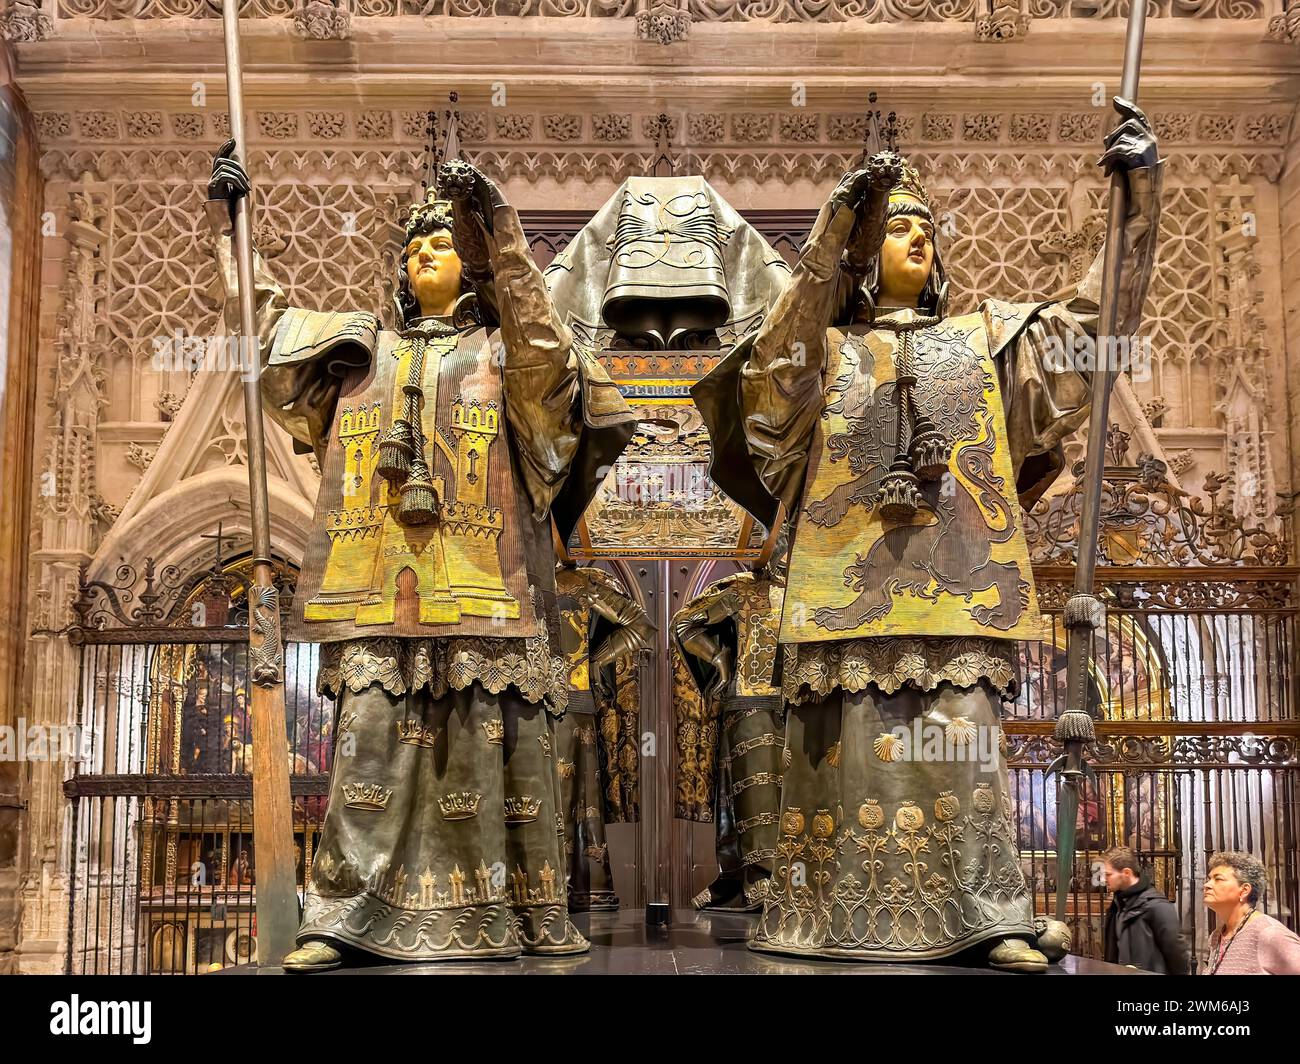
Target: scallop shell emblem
[833, 756]
[823, 824]
[946, 806]
[870, 815]
[792, 822]
[983, 799]
[909, 817]
[960, 730]
[887, 747]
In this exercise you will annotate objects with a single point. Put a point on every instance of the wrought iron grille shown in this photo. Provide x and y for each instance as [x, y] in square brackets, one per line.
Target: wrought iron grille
[1193, 689]
[163, 860]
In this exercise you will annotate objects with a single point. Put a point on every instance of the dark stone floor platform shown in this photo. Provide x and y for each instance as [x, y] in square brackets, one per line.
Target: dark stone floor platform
[695, 944]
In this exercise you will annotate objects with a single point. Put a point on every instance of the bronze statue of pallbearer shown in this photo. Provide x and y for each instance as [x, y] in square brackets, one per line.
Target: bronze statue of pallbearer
[447, 445]
[904, 442]
[604, 632]
[727, 638]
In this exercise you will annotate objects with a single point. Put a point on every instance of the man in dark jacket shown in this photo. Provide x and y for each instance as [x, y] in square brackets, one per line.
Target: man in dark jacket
[1141, 925]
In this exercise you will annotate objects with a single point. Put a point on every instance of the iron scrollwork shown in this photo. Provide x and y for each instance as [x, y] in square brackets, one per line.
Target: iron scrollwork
[1146, 520]
[1119, 752]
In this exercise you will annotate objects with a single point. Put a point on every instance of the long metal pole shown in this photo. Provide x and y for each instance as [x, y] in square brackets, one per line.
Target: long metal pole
[1084, 612]
[276, 886]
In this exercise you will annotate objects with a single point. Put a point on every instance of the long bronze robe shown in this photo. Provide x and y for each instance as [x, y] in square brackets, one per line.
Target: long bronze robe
[888, 852]
[598, 738]
[444, 837]
[737, 616]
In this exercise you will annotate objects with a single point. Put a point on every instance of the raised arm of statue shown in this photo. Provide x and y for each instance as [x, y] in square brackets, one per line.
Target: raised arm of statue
[1045, 352]
[781, 380]
[302, 356]
[229, 182]
[553, 395]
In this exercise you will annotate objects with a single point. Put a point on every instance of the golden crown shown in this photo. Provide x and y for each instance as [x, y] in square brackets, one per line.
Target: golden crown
[433, 213]
[459, 805]
[910, 187]
[428, 216]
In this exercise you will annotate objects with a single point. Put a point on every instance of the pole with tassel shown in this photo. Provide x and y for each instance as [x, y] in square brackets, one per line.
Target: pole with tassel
[1084, 612]
[276, 887]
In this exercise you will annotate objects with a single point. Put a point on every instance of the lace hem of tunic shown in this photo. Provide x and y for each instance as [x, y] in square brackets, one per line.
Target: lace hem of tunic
[402, 666]
[477, 929]
[813, 670]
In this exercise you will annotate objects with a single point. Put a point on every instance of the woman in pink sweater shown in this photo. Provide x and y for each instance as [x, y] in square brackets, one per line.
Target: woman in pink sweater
[1247, 942]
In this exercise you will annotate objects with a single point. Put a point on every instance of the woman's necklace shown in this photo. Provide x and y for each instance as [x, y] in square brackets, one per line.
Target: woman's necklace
[1224, 951]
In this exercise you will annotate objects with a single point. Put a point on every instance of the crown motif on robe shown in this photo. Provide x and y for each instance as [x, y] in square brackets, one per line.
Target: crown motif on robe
[522, 809]
[459, 805]
[416, 733]
[366, 796]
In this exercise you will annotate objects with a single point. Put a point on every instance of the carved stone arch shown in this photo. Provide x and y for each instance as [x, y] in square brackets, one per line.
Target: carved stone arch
[169, 527]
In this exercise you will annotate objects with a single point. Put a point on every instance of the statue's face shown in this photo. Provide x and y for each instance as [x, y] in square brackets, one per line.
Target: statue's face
[906, 257]
[433, 270]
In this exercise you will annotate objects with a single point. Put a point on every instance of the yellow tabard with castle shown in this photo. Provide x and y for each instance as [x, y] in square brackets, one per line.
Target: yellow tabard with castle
[960, 567]
[365, 573]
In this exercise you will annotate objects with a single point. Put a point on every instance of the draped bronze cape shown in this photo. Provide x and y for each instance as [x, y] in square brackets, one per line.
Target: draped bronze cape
[664, 256]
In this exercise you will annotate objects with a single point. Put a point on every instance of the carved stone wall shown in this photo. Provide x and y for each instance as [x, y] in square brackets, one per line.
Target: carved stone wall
[134, 461]
[1286, 376]
[702, 11]
[19, 262]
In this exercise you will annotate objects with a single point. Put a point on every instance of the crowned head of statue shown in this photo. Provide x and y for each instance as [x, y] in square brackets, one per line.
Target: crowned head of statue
[908, 272]
[429, 276]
